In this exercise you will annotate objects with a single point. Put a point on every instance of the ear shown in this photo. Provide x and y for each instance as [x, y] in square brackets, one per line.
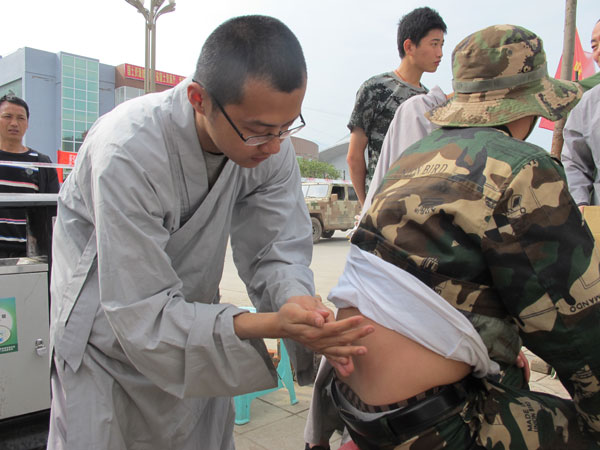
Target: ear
[408, 46]
[196, 96]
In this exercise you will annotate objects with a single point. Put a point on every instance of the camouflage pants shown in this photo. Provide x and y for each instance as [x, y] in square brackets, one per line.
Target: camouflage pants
[498, 417]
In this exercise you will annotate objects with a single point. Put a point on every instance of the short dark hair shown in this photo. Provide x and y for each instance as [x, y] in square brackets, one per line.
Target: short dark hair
[416, 24]
[245, 47]
[16, 101]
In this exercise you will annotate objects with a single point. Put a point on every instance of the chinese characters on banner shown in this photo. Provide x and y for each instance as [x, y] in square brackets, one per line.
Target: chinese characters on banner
[164, 78]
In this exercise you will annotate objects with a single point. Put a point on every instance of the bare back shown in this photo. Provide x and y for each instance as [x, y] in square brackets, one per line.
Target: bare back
[396, 368]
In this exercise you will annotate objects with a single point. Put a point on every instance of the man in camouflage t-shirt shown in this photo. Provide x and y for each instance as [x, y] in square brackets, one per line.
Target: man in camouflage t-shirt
[420, 40]
[486, 220]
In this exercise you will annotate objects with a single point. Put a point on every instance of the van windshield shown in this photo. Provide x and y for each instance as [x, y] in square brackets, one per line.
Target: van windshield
[315, 190]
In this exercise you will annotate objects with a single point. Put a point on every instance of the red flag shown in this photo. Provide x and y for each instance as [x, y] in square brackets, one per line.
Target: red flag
[65, 158]
[583, 67]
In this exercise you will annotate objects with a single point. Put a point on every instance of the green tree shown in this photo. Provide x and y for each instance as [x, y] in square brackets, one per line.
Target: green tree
[310, 168]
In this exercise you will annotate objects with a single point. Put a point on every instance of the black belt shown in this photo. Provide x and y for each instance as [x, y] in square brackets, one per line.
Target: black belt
[406, 422]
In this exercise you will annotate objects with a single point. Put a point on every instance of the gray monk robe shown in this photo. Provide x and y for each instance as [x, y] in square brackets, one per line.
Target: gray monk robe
[148, 357]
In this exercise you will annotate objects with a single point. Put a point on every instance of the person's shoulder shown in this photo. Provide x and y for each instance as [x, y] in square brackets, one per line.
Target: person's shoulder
[496, 143]
[42, 157]
[381, 79]
[138, 127]
[516, 152]
[592, 95]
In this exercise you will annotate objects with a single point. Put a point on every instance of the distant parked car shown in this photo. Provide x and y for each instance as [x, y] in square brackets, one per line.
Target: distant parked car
[332, 205]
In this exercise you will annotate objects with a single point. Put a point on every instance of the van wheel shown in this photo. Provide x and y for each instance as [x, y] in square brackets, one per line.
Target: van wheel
[327, 233]
[317, 229]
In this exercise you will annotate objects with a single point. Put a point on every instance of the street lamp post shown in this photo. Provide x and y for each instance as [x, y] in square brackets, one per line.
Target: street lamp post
[151, 15]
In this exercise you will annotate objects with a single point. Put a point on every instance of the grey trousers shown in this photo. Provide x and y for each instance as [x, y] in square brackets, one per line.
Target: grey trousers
[323, 419]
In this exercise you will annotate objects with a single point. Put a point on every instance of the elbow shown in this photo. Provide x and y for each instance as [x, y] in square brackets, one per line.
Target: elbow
[354, 161]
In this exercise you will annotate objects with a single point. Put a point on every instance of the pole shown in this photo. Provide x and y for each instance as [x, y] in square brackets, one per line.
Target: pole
[566, 69]
[153, 59]
[147, 60]
[150, 16]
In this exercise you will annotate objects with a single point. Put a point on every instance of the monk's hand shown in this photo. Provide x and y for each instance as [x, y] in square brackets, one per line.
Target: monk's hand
[322, 314]
[313, 325]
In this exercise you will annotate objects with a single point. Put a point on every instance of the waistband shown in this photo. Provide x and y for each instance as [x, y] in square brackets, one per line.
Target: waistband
[353, 398]
[401, 424]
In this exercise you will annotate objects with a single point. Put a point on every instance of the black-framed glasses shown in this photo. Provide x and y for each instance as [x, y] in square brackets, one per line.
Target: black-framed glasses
[264, 138]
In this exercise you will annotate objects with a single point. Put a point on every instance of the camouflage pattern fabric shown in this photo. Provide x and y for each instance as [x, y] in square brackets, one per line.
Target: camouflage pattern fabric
[500, 75]
[590, 82]
[376, 103]
[478, 215]
[496, 417]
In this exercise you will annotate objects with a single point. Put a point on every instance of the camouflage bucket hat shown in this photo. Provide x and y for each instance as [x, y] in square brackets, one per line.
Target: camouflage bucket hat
[500, 75]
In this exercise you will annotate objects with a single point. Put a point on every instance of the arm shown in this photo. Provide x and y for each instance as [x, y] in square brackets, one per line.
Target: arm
[546, 270]
[359, 125]
[295, 321]
[356, 162]
[274, 262]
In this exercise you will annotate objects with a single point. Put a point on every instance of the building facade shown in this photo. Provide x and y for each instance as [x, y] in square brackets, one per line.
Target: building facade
[66, 93]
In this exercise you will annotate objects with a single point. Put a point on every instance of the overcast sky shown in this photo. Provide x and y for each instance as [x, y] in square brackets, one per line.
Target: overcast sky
[344, 41]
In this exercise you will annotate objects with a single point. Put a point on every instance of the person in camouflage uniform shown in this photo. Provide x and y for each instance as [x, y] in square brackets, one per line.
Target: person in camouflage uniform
[486, 220]
[420, 40]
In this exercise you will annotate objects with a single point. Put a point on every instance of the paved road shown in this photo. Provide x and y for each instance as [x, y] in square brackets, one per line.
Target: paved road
[329, 258]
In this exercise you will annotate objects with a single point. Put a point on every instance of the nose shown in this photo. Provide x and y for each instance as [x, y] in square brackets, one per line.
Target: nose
[271, 147]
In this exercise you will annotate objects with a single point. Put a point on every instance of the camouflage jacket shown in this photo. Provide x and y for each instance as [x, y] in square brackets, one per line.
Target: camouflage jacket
[487, 221]
[376, 102]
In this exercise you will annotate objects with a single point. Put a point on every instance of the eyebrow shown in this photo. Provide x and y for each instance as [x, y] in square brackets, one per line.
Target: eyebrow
[11, 114]
[269, 125]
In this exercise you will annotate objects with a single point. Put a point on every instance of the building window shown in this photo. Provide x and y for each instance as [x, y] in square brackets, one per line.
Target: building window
[124, 93]
[80, 94]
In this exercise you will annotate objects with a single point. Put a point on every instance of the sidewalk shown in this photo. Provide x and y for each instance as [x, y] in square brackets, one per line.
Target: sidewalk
[274, 423]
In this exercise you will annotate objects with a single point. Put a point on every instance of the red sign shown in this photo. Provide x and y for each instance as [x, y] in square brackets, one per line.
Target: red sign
[164, 78]
[583, 67]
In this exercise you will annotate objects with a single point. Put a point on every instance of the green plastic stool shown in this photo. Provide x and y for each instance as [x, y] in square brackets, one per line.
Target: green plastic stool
[285, 380]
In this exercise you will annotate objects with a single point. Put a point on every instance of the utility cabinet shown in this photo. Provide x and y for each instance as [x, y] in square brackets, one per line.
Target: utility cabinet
[24, 334]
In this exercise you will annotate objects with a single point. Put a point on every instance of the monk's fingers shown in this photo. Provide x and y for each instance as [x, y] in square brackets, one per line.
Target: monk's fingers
[341, 353]
[329, 338]
[339, 327]
[343, 366]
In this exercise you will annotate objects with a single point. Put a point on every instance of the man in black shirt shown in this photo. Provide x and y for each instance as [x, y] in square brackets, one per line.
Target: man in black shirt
[14, 120]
